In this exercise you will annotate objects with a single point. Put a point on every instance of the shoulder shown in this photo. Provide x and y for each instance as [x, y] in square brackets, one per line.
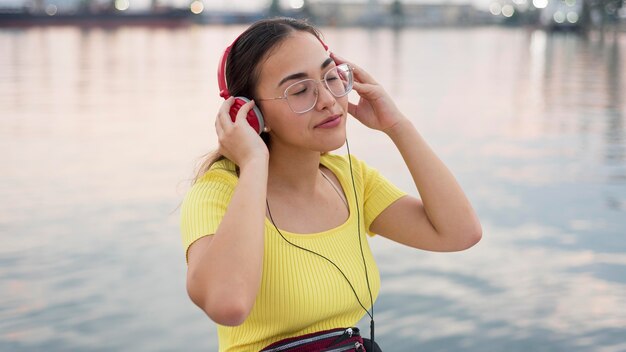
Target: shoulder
[222, 171]
[220, 178]
[346, 166]
[342, 163]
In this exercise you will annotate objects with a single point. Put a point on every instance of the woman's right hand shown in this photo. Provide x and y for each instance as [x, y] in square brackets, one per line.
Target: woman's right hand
[238, 141]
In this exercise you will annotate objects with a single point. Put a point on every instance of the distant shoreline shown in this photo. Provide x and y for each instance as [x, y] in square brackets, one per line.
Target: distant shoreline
[169, 18]
[183, 17]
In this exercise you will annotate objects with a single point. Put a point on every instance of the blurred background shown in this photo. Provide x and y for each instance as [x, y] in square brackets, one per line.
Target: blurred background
[106, 107]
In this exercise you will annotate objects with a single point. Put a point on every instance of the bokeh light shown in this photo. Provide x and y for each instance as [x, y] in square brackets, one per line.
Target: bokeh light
[296, 4]
[196, 7]
[559, 17]
[572, 17]
[122, 5]
[508, 10]
[495, 9]
[51, 9]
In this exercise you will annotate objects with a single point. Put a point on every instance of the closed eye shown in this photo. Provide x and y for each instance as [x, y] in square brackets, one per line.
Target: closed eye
[301, 91]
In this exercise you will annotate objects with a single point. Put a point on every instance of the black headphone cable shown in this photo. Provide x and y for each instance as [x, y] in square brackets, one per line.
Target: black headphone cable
[371, 315]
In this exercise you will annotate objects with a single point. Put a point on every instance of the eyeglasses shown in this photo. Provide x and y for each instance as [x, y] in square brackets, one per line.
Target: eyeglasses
[302, 95]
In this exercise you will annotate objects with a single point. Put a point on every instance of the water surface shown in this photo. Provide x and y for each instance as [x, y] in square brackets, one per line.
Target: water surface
[100, 131]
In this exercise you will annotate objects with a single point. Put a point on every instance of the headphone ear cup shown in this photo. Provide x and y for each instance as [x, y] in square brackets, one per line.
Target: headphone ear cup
[254, 117]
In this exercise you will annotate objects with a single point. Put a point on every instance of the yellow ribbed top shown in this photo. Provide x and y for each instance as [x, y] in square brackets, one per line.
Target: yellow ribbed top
[300, 292]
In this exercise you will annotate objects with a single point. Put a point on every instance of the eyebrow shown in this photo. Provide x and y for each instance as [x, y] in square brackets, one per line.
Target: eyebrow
[302, 74]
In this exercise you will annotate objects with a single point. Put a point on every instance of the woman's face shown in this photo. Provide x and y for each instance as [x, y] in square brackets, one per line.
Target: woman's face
[301, 56]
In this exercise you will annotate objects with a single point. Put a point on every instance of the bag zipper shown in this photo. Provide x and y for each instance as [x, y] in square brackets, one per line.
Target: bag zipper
[357, 346]
[348, 331]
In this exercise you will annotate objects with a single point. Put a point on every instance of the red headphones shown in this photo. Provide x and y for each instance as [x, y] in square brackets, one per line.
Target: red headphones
[254, 117]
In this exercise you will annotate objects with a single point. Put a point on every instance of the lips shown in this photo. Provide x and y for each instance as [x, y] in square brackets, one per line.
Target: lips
[330, 121]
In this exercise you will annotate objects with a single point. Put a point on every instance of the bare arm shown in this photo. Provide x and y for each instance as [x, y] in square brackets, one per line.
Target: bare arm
[443, 220]
[224, 270]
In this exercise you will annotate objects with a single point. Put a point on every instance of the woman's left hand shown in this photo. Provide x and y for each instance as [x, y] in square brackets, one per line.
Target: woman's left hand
[375, 109]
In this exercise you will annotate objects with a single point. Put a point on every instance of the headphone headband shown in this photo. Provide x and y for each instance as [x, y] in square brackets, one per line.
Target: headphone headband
[221, 72]
[221, 68]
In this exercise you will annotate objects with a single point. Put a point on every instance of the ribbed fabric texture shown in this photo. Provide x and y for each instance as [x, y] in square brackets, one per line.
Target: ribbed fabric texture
[300, 292]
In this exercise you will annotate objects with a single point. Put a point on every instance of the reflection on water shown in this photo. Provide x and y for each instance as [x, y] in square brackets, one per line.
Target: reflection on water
[100, 130]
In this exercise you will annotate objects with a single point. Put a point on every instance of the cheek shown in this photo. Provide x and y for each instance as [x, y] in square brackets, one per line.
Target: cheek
[278, 115]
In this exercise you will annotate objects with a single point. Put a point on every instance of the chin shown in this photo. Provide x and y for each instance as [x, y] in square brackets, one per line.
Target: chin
[333, 144]
[330, 149]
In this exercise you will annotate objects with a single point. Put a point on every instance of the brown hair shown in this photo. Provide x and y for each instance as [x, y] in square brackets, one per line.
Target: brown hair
[242, 64]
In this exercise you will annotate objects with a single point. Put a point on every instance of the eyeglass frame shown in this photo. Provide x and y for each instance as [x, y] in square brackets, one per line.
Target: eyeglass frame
[284, 96]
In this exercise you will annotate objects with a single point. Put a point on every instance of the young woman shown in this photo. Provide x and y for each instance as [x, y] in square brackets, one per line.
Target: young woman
[274, 225]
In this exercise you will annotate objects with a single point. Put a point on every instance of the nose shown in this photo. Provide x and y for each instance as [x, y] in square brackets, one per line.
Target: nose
[324, 96]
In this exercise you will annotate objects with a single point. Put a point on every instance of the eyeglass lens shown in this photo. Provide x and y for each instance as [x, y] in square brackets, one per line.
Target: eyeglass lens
[302, 95]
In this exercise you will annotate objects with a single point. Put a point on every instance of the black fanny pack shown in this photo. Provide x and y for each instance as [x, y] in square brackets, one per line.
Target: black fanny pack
[334, 340]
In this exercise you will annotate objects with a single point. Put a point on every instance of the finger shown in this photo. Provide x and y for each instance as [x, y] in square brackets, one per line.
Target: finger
[352, 109]
[219, 130]
[338, 59]
[364, 90]
[243, 112]
[360, 75]
[222, 121]
[224, 112]
[217, 117]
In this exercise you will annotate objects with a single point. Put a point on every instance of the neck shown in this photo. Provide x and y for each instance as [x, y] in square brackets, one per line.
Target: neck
[293, 170]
